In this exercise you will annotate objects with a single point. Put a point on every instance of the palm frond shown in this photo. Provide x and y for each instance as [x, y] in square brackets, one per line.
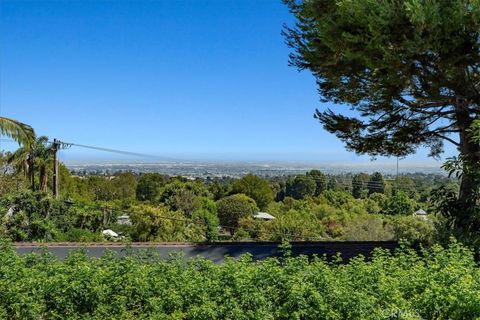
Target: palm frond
[18, 131]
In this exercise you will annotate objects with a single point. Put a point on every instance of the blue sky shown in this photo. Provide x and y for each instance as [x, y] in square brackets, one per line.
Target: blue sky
[182, 79]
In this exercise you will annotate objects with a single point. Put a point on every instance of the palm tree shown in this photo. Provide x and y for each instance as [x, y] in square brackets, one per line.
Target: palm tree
[27, 159]
[43, 160]
[22, 160]
[18, 131]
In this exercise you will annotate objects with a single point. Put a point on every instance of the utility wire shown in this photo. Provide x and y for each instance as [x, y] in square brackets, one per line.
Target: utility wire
[344, 182]
[67, 144]
[374, 184]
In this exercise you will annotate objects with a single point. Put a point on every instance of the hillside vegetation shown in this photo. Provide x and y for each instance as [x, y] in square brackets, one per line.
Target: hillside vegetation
[312, 206]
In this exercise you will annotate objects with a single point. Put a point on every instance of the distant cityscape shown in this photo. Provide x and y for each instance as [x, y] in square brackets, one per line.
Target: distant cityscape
[240, 169]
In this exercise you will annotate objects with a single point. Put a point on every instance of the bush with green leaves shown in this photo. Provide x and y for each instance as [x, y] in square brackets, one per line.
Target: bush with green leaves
[34, 216]
[161, 224]
[337, 215]
[414, 229]
[434, 284]
[232, 208]
[183, 195]
[369, 228]
[80, 235]
[207, 217]
[292, 225]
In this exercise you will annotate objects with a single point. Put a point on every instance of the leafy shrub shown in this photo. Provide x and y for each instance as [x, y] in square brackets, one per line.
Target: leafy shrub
[434, 284]
[413, 229]
[183, 196]
[371, 205]
[161, 224]
[206, 215]
[232, 208]
[368, 228]
[294, 225]
[35, 216]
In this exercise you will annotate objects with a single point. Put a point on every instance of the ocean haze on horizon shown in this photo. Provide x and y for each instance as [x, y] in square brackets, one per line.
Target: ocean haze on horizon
[345, 162]
[330, 162]
[76, 155]
[197, 168]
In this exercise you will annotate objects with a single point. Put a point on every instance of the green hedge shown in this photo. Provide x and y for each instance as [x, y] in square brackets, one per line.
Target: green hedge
[435, 284]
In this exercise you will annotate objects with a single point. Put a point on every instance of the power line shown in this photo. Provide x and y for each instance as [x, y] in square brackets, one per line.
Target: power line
[345, 182]
[350, 183]
[65, 145]
[68, 144]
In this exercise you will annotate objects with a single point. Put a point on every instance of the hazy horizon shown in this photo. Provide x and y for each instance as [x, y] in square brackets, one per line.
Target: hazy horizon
[205, 168]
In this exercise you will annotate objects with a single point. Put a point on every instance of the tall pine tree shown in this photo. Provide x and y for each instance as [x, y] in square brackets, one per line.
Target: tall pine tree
[410, 69]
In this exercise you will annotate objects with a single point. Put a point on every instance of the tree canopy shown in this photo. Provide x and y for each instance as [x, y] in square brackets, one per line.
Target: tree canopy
[320, 180]
[256, 188]
[376, 184]
[300, 187]
[232, 208]
[149, 184]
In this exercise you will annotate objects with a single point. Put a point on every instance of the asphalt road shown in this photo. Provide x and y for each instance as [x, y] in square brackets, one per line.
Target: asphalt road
[215, 252]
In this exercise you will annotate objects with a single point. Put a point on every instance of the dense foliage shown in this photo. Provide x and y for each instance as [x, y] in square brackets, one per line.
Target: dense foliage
[436, 284]
[311, 206]
[155, 207]
[232, 208]
[256, 188]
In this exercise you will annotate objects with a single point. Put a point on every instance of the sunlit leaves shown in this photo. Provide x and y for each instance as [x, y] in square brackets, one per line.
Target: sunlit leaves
[434, 284]
[18, 131]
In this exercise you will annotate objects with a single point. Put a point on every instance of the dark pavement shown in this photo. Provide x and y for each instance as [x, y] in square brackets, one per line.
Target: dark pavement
[216, 252]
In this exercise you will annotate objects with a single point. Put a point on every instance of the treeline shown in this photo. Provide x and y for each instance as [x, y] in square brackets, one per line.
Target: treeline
[312, 206]
[418, 186]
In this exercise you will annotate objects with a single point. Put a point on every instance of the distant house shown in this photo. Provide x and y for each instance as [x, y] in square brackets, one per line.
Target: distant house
[263, 216]
[420, 213]
[124, 220]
